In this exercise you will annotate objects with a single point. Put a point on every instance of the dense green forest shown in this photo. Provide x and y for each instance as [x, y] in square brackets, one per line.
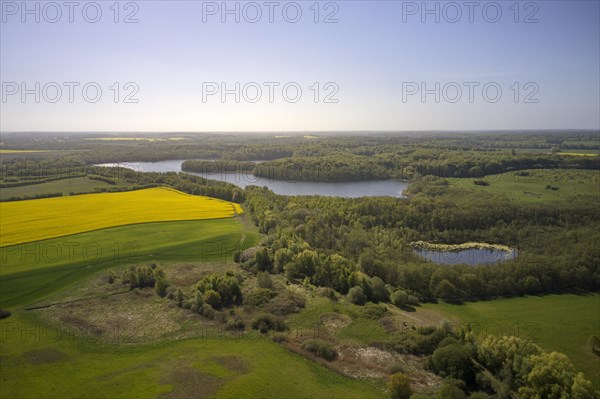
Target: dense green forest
[351, 241]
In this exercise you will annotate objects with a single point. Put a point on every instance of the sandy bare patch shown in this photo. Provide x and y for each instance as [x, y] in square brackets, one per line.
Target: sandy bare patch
[373, 363]
[332, 322]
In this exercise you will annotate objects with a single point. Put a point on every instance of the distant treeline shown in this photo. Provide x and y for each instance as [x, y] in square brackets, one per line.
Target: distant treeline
[19, 172]
[349, 167]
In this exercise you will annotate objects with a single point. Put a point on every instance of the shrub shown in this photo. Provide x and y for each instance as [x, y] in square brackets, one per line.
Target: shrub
[320, 348]
[179, 297]
[378, 289]
[357, 296]
[287, 302]
[413, 300]
[448, 391]
[237, 324]
[373, 311]
[399, 298]
[213, 298]
[422, 341]
[4, 314]
[263, 260]
[161, 287]
[279, 337]
[399, 386]
[267, 322]
[259, 296]
[327, 293]
[111, 277]
[452, 361]
[197, 302]
[264, 280]
[207, 311]
[227, 285]
[396, 368]
[480, 183]
[478, 395]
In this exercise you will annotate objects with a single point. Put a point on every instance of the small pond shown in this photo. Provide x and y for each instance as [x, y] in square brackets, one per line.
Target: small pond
[472, 256]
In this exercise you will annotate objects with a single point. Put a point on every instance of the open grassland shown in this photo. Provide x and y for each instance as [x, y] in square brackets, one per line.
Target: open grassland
[35, 269]
[33, 220]
[40, 359]
[532, 185]
[50, 363]
[563, 323]
[79, 185]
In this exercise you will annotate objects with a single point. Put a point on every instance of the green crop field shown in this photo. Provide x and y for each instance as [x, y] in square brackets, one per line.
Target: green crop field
[77, 185]
[563, 323]
[531, 185]
[31, 270]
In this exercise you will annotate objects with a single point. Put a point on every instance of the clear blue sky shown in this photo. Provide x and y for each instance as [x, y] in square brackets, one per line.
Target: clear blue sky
[372, 54]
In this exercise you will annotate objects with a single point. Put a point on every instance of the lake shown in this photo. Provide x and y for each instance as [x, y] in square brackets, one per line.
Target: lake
[473, 256]
[390, 188]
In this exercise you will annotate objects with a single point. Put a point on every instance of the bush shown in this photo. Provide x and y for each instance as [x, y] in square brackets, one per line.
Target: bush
[413, 300]
[264, 280]
[448, 391]
[478, 395]
[357, 296]
[237, 324]
[4, 314]
[320, 348]
[422, 341]
[279, 337]
[213, 298]
[227, 285]
[379, 292]
[161, 287]
[207, 311]
[399, 298]
[327, 293]
[263, 260]
[452, 361]
[396, 368]
[259, 296]
[373, 311]
[267, 322]
[179, 297]
[197, 302]
[480, 183]
[286, 303]
[399, 386]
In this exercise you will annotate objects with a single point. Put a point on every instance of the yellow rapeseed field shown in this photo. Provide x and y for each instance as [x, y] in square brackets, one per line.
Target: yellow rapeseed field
[33, 220]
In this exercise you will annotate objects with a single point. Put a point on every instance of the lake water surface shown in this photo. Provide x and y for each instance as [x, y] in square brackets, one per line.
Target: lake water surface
[392, 188]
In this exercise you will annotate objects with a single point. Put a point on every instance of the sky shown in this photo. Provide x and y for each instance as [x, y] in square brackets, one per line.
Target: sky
[190, 66]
